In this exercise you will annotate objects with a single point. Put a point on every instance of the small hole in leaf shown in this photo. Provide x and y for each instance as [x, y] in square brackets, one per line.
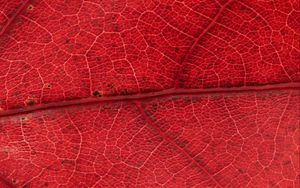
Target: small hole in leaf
[97, 93]
[30, 7]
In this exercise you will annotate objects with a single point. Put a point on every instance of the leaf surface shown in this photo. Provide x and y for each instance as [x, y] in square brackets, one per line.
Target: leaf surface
[149, 93]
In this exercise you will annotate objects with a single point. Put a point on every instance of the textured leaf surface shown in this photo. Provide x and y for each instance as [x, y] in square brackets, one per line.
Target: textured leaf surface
[233, 140]
[129, 93]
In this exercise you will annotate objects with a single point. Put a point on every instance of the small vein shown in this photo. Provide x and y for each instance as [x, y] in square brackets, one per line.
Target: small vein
[170, 141]
[212, 23]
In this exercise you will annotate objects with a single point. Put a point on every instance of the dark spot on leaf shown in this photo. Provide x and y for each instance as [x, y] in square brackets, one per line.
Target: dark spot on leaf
[67, 163]
[46, 184]
[98, 59]
[67, 40]
[151, 43]
[29, 102]
[52, 168]
[115, 28]
[84, 83]
[97, 93]
[14, 181]
[176, 50]
[30, 8]
[230, 61]
[48, 85]
[17, 93]
[291, 128]
[114, 17]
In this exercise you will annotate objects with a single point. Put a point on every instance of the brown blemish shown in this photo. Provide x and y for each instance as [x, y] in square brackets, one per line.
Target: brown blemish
[97, 93]
[17, 93]
[33, 152]
[30, 7]
[176, 50]
[115, 27]
[14, 181]
[98, 59]
[67, 41]
[48, 85]
[242, 171]
[23, 118]
[51, 168]
[67, 163]
[29, 102]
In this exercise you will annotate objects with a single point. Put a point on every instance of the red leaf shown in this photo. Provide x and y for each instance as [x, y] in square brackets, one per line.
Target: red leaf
[149, 93]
